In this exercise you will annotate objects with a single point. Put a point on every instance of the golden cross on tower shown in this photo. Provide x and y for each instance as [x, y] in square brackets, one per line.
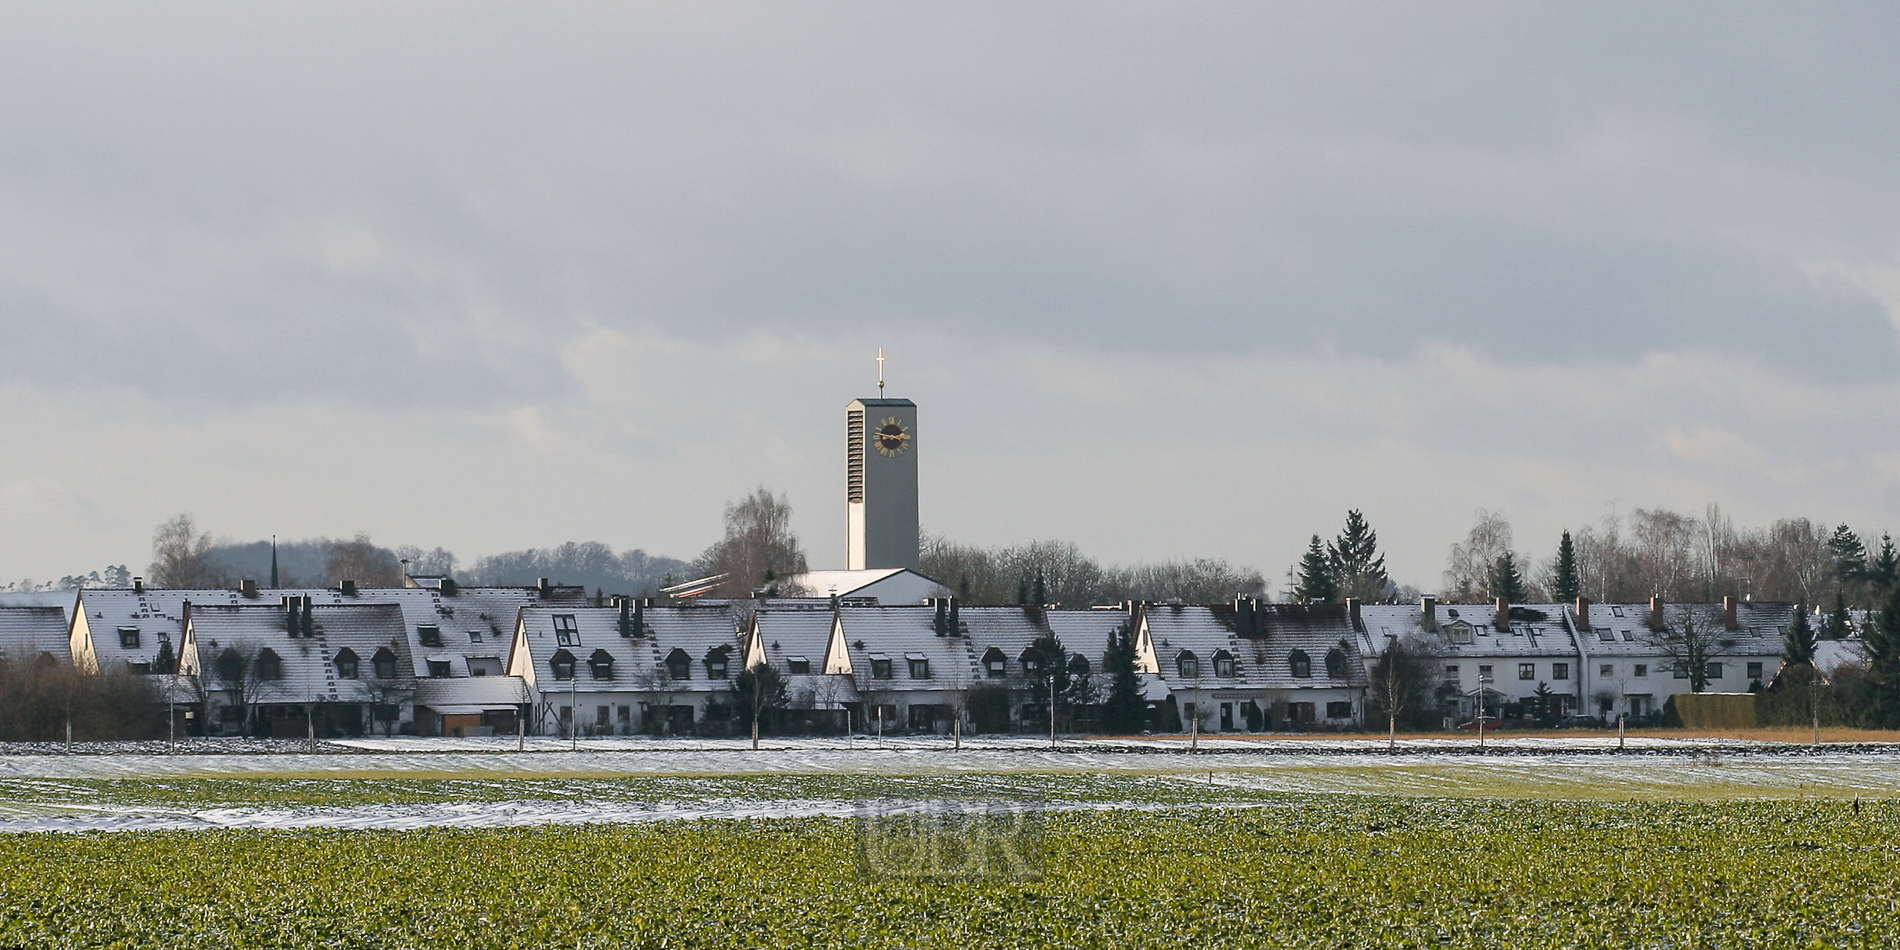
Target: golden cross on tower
[880, 371]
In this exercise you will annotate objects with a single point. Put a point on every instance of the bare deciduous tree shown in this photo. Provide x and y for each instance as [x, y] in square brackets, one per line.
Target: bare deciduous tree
[1468, 569]
[1402, 682]
[759, 550]
[1691, 642]
[181, 556]
[360, 561]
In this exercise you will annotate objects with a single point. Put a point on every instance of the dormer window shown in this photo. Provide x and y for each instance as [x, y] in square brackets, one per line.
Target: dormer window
[1078, 665]
[429, 635]
[270, 666]
[1188, 665]
[716, 665]
[880, 666]
[1336, 663]
[995, 664]
[128, 638]
[1300, 664]
[346, 664]
[679, 666]
[384, 663]
[798, 664]
[567, 632]
[1224, 665]
[561, 664]
[1459, 632]
[919, 666]
[601, 664]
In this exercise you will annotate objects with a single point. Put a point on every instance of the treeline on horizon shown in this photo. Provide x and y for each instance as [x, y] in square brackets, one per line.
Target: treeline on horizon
[1648, 552]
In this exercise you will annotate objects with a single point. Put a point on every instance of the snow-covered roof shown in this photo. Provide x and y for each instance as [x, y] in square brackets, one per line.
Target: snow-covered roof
[471, 693]
[1624, 629]
[1264, 657]
[28, 633]
[310, 672]
[1531, 631]
[474, 622]
[890, 585]
[697, 630]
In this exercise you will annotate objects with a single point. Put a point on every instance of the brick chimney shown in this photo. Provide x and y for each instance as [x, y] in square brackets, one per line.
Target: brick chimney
[349, 588]
[1428, 613]
[1656, 614]
[1583, 613]
[1503, 619]
[248, 588]
[1729, 620]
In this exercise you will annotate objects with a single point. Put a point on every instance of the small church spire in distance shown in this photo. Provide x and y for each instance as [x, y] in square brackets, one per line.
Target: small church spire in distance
[880, 372]
[273, 562]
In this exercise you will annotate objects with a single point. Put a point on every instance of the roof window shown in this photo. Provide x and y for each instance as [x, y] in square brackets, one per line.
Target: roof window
[1300, 664]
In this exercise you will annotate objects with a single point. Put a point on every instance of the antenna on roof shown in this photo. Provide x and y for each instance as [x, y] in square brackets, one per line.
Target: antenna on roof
[880, 372]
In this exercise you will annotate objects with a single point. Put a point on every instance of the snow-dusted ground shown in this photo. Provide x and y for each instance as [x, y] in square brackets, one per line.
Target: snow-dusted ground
[611, 780]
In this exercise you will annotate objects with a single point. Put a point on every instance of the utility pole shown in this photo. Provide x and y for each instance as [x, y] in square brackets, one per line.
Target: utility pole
[1052, 709]
[1482, 680]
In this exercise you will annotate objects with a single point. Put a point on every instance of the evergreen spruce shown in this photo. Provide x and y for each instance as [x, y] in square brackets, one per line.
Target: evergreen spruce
[1506, 581]
[166, 662]
[1840, 625]
[1316, 582]
[1884, 567]
[1041, 589]
[1883, 655]
[1567, 585]
[1124, 712]
[1797, 649]
[1850, 555]
[1357, 567]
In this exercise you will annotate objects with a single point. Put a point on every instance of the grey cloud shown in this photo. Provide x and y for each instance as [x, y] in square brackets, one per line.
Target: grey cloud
[1587, 179]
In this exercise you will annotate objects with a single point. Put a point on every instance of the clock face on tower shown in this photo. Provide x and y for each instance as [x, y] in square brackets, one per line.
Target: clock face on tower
[891, 437]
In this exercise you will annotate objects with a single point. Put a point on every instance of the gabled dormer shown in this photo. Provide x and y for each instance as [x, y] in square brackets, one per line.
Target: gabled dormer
[837, 655]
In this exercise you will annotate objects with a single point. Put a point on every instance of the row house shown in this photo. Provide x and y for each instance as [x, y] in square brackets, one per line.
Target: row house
[633, 667]
[1257, 666]
[297, 668]
[1601, 660]
[451, 656]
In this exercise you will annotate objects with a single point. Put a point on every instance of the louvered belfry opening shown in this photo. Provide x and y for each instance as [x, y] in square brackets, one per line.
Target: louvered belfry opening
[854, 456]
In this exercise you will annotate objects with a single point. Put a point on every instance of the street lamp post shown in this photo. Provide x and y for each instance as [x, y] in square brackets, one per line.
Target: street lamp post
[1483, 681]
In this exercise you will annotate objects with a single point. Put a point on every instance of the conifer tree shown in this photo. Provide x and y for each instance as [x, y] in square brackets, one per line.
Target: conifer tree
[1357, 566]
[1315, 577]
[1125, 711]
[1041, 589]
[1884, 567]
[1850, 555]
[1883, 655]
[1566, 582]
[1798, 648]
[1839, 623]
[1506, 581]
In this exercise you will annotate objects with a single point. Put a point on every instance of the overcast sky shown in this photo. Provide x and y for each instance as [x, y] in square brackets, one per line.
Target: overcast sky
[1168, 280]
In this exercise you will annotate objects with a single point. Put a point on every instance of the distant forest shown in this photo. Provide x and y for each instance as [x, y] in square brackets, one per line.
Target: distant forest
[1678, 556]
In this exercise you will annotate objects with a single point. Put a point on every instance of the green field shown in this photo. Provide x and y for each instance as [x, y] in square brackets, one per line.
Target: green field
[1292, 870]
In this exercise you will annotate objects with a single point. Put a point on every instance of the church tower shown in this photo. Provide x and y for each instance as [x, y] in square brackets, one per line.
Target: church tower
[881, 482]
